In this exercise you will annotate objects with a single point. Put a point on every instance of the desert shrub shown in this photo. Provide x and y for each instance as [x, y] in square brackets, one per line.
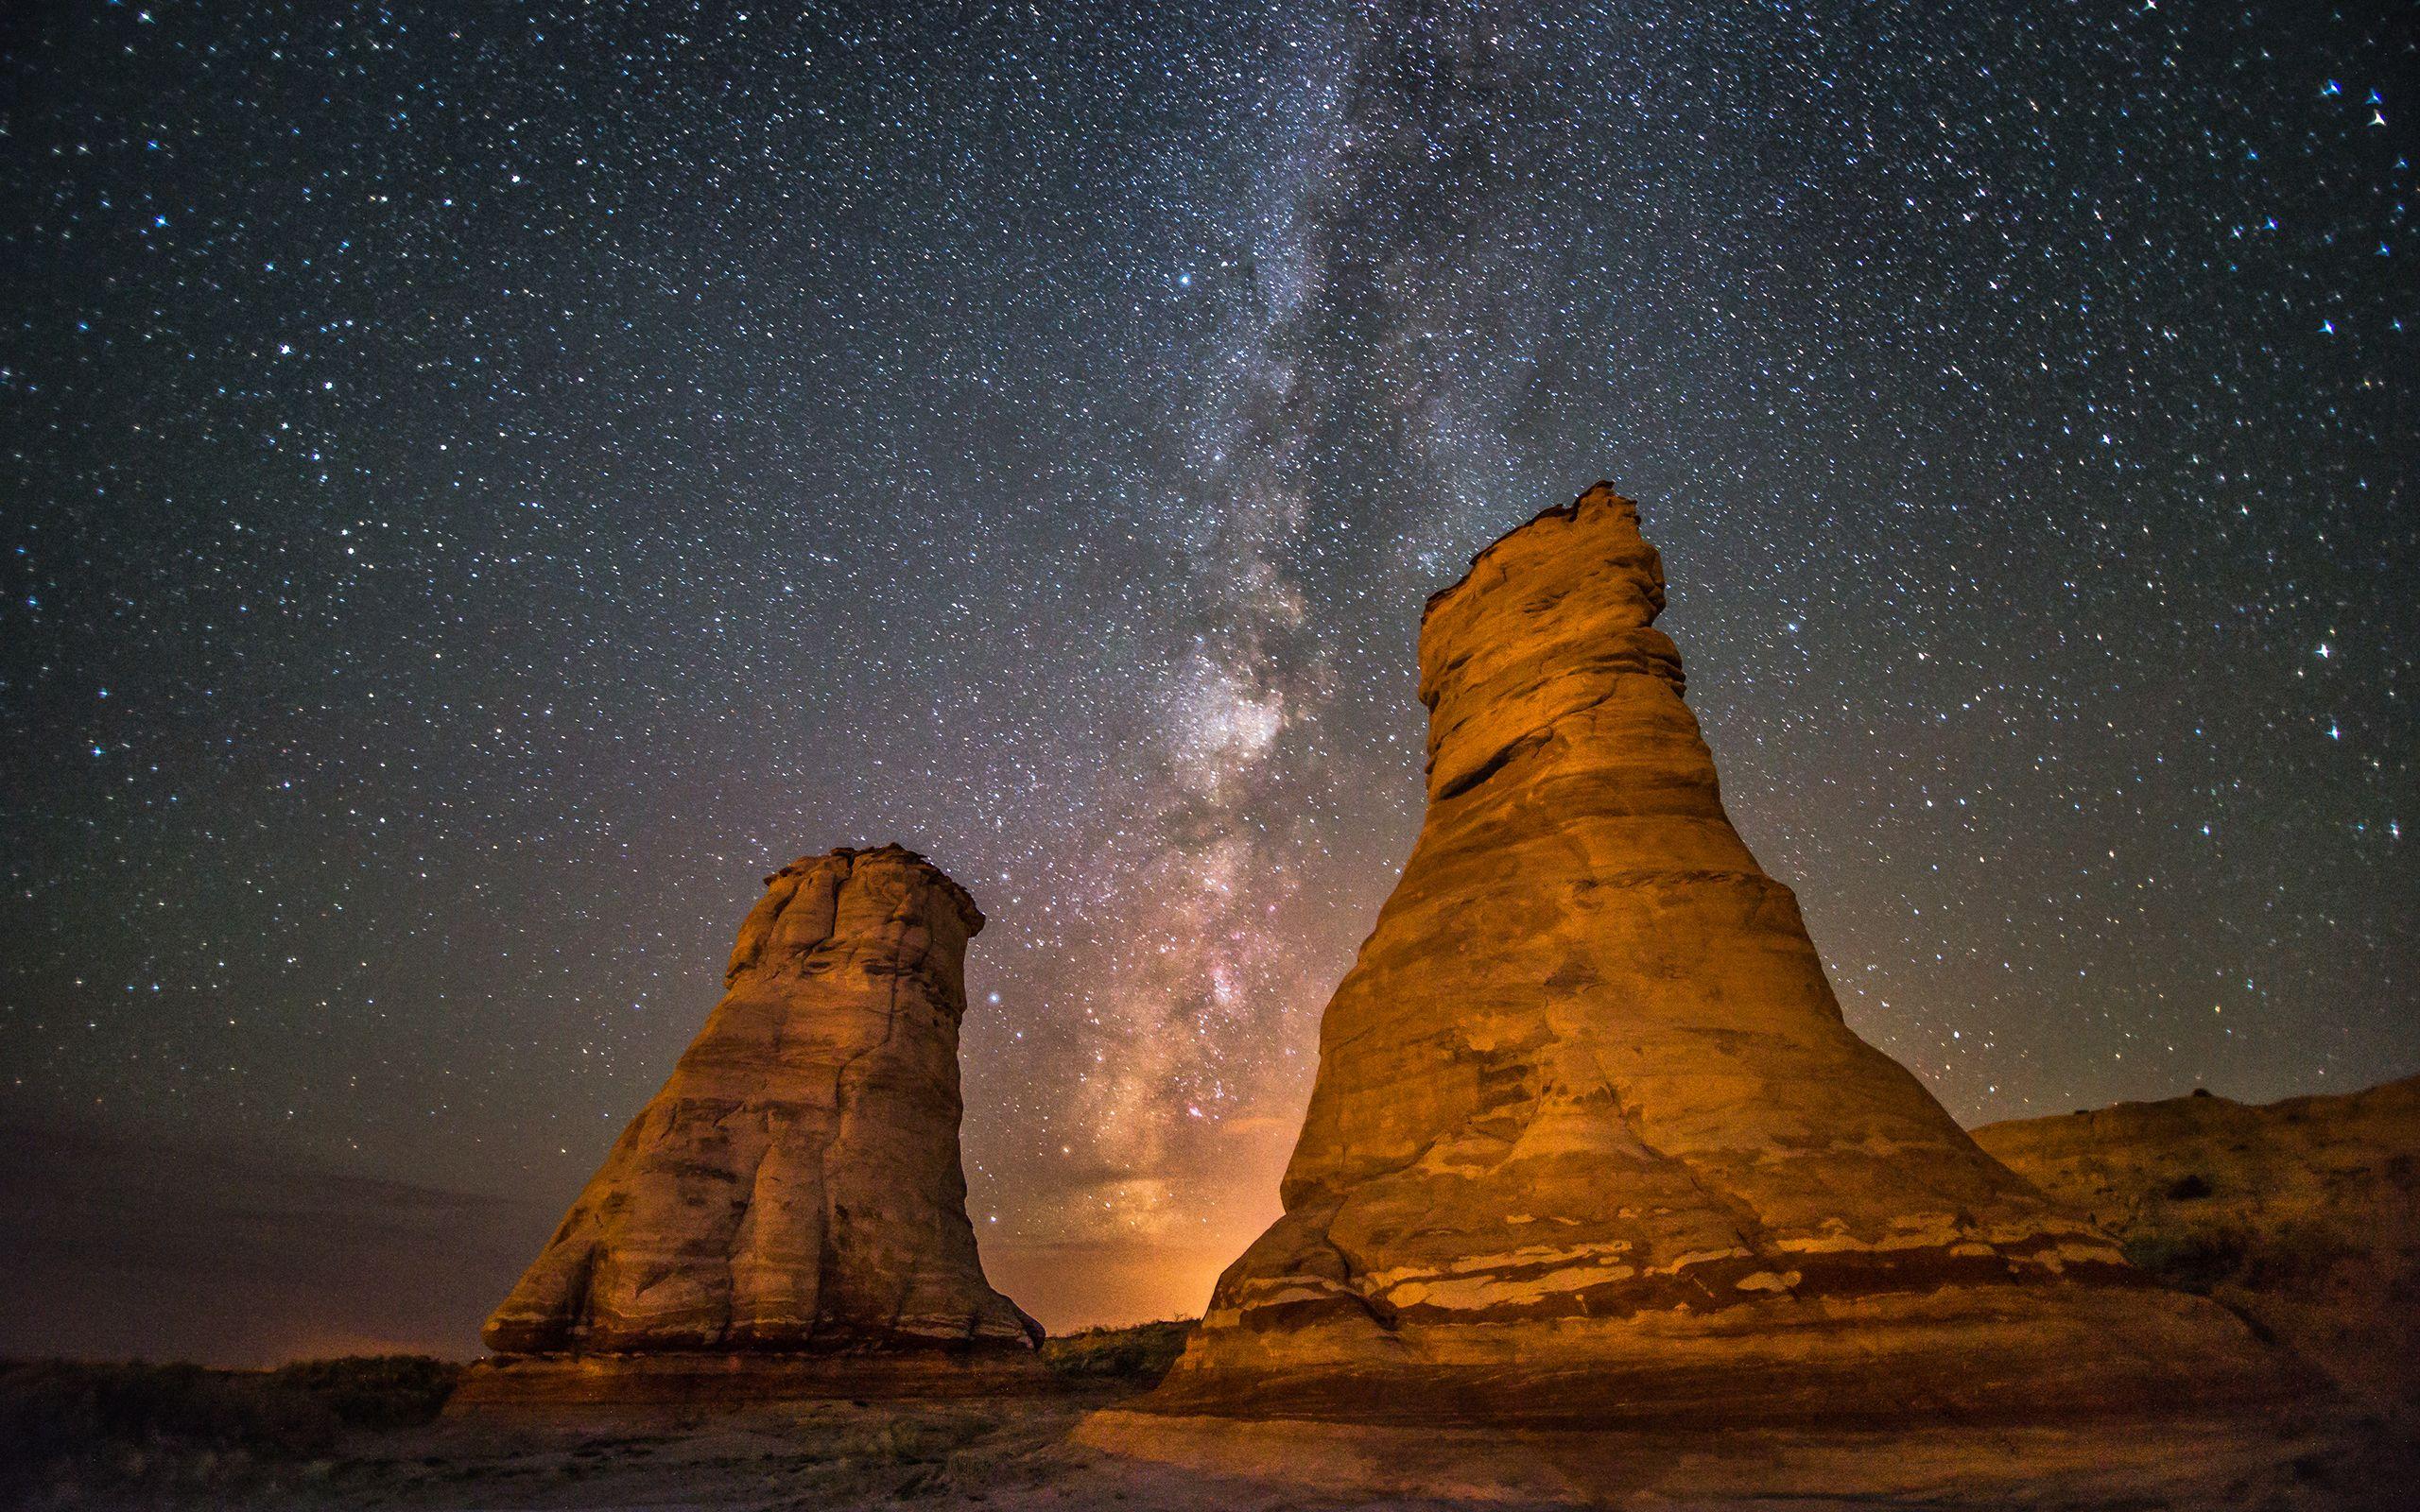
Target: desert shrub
[906, 1441]
[54, 1409]
[1142, 1353]
[2196, 1261]
[156, 1424]
[374, 1391]
[2295, 1256]
[2279, 1256]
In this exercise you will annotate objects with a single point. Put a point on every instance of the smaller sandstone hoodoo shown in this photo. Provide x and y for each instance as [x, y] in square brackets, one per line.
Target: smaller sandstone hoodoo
[795, 1188]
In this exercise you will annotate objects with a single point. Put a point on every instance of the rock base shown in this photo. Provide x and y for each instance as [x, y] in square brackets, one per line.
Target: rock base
[1958, 1355]
[675, 1379]
[2192, 1460]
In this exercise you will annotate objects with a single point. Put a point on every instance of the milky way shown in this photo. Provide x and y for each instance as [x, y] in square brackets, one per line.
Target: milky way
[482, 490]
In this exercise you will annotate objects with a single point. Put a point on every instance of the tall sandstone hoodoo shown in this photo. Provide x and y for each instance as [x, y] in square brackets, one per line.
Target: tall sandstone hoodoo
[1590, 1143]
[796, 1187]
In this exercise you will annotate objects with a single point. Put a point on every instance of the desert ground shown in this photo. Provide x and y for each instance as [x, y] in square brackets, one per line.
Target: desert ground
[371, 1434]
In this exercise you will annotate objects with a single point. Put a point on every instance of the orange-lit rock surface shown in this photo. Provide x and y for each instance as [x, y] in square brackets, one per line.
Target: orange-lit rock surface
[796, 1185]
[1590, 1141]
[2302, 1215]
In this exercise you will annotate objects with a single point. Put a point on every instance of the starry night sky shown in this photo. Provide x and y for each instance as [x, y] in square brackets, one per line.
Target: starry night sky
[484, 486]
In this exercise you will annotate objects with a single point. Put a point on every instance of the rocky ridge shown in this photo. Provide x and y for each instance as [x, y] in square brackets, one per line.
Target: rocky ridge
[2302, 1215]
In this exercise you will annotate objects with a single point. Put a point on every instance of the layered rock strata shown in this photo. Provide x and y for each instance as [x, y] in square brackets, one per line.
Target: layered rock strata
[2302, 1215]
[796, 1186]
[1589, 1139]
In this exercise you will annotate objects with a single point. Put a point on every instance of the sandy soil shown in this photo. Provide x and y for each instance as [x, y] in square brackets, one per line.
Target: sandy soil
[1080, 1451]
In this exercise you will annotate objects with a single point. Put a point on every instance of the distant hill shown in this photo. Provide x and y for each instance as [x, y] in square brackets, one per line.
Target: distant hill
[2302, 1215]
[112, 1248]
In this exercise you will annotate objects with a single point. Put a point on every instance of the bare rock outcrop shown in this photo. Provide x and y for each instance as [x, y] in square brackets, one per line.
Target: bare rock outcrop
[796, 1186]
[1590, 1141]
[2302, 1215]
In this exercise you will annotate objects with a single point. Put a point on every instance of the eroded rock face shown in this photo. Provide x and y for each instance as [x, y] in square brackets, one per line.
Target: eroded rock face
[796, 1185]
[1589, 1139]
[2303, 1214]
